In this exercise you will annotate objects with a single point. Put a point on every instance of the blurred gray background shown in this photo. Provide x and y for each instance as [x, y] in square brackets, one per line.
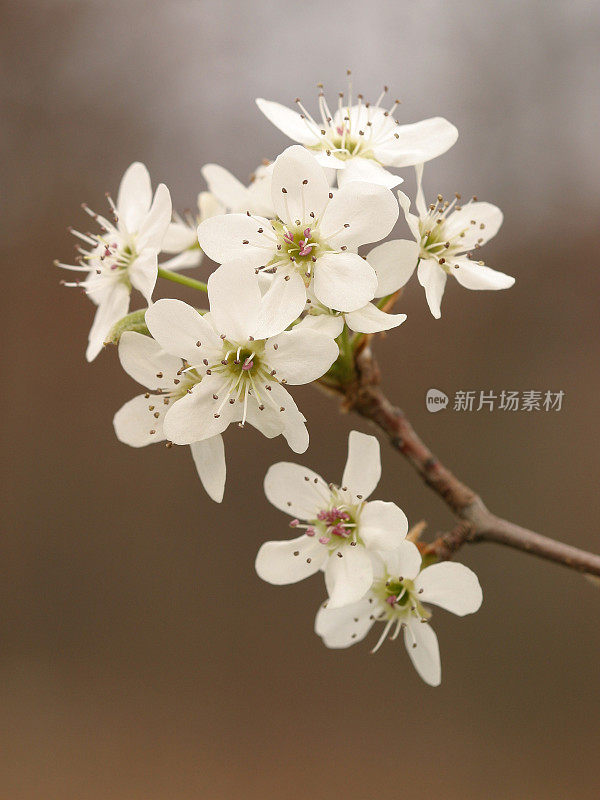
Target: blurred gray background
[140, 656]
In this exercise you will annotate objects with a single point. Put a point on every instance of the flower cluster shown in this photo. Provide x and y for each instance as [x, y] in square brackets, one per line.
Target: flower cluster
[290, 301]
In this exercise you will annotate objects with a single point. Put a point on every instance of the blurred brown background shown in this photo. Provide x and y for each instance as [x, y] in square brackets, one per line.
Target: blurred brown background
[140, 656]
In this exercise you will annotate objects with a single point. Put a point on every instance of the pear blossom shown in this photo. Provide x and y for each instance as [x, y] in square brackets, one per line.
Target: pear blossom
[234, 196]
[312, 241]
[140, 421]
[444, 234]
[124, 254]
[342, 531]
[396, 599]
[181, 237]
[244, 357]
[360, 140]
[368, 319]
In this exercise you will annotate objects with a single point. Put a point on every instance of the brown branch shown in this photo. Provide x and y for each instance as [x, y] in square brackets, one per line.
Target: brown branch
[476, 523]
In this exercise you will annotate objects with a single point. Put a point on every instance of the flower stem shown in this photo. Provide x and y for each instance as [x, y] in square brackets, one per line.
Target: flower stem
[182, 279]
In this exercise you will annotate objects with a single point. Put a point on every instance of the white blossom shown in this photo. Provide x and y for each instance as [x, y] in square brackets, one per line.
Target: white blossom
[360, 140]
[141, 420]
[397, 599]
[313, 240]
[444, 234]
[342, 530]
[244, 357]
[124, 254]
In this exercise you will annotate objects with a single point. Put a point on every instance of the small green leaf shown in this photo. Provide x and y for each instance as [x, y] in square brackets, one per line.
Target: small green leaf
[136, 321]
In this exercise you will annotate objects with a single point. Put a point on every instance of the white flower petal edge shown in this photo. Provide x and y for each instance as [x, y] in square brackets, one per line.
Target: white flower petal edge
[233, 196]
[140, 421]
[394, 262]
[363, 465]
[181, 237]
[368, 319]
[209, 458]
[343, 531]
[451, 586]
[396, 599]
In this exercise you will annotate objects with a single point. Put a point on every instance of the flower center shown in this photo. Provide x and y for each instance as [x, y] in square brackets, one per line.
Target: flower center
[347, 145]
[112, 256]
[337, 524]
[243, 373]
[399, 599]
[299, 243]
[433, 239]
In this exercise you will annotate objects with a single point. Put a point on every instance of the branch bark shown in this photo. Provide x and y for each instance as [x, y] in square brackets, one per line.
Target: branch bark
[475, 522]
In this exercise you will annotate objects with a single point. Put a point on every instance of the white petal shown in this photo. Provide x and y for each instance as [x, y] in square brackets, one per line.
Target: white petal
[155, 224]
[300, 355]
[296, 490]
[342, 627]
[296, 433]
[370, 319]
[472, 275]
[394, 262]
[469, 220]
[235, 299]
[134, 421]
[382, 526]
[184, 260]
[329, 324]
[177, 327]
[363, 465]
[289, 562]
[291, 422]
[178, 237]
[404, 561]
[417, 142]
[369, 212]
[144, 272]
[282, 303]
[420, 198]
[305, 183]
[451, 586]
[433, 279]
[134, 197]
[209, 205]
[223, 239]
[146, 362]
[348, 575]
[331, 163]
[193, 417]
[113, 307]
[426, 655]
[226, 187]
[366, 169]
[411, 219]
[209, 458]
[289, 122]
[268, 421]
[344, 281]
